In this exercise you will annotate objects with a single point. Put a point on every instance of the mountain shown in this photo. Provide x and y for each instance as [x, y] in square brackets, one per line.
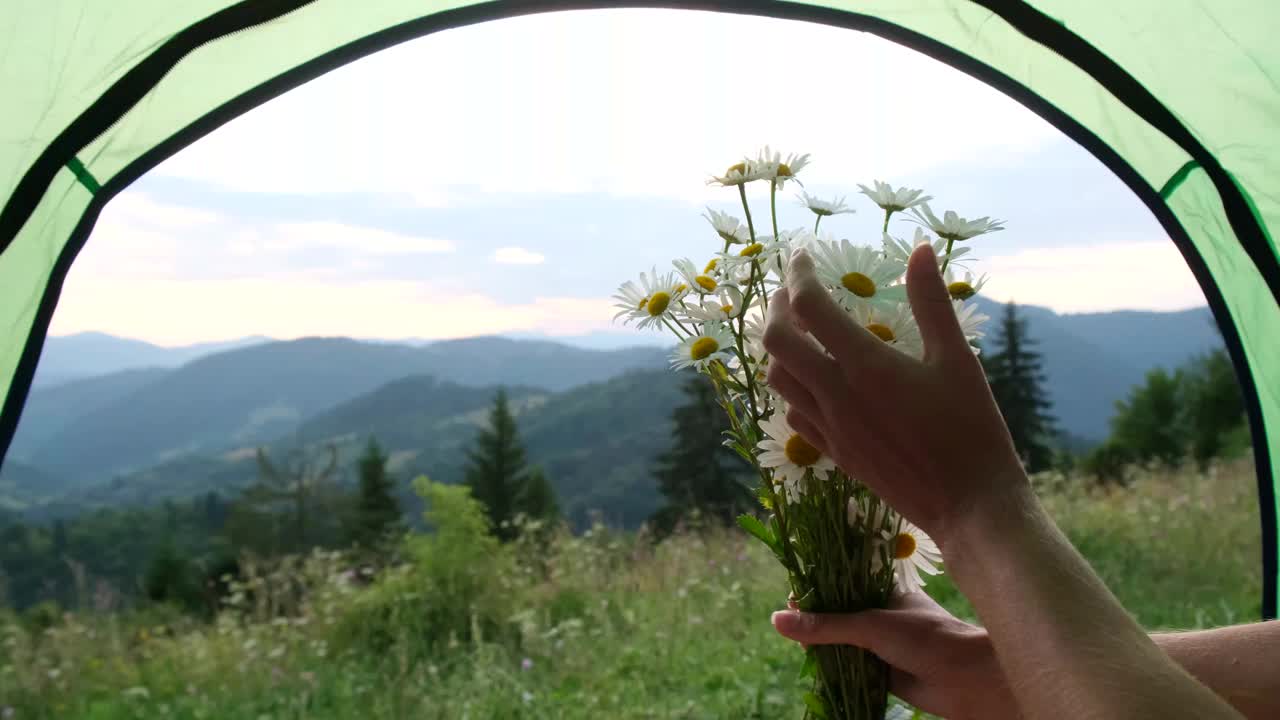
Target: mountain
[23, 486]
[71, 357]
[253, 394]
[1091, 360]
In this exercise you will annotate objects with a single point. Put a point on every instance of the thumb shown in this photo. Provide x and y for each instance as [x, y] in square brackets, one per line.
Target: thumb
[896, 636]
[931, 305]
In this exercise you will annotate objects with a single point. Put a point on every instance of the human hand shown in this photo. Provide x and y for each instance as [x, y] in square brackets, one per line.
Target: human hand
[926, 436]
[940, 664]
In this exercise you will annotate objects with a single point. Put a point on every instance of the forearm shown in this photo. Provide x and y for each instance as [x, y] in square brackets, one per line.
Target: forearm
[1065, 645]
[1241, 664]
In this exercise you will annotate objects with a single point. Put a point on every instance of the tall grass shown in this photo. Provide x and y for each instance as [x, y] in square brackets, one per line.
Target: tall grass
[600, 625]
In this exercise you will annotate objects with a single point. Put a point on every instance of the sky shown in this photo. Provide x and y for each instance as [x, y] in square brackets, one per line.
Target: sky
[507, 177]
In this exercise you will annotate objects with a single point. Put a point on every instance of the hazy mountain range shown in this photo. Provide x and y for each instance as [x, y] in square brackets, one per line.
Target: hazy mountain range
[140, 422]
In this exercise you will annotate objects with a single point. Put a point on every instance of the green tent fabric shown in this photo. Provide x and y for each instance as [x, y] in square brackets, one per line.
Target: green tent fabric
[1180, 100]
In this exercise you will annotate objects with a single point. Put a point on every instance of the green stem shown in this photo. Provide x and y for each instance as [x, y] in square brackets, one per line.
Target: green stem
[751, 228]
[773, 205]
[887, 214]
[947, 260]
[816, 223]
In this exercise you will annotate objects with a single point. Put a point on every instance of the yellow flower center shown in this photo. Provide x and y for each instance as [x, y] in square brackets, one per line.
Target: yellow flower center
[681, 288]
[904, 546]
[881, 331]
[800, 452]
[705, 283]
[784, 170]
[736, 168]
[703, 347]
[711, 265]
[751, 250]
[643, 301]
[859, 284]
[728, 309]
[961, 290]
[658, 304]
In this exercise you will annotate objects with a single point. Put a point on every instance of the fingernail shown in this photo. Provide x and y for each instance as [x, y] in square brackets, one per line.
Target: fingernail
[785, 621]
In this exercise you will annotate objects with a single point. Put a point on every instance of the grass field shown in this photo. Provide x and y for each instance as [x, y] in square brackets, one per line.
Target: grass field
[602, 626]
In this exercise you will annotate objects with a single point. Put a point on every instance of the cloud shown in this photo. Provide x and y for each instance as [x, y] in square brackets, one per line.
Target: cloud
[605, 112]
[1134, 275]
[517, 256]
[173, 311]
[340, 236]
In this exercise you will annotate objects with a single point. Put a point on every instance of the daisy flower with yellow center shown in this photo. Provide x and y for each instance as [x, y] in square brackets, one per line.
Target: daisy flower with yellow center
[723, 306]
[729, 228]
[736, 262]
[650, 300]
[893, 200]
[700, 283]
[894, 324]
[963, 288]
[911, 552]
[790, 456]
[738, 173]
[860, 275]
[792, 240]
[900, 250]
[715, 342]
[951, 226]
[771, 165]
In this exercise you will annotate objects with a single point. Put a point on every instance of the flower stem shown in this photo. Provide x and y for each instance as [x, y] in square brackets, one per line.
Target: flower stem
[751, 228]
[887, 214]
[773, 205]
[947, 260]
[816, 223]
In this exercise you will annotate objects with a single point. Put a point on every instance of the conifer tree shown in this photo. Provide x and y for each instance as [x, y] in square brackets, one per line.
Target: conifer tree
[377, 512]
[497, 471]
[698, 473]
[1017, 379]
[539, 498]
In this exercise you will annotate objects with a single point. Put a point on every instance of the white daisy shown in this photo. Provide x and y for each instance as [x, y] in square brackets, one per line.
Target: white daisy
[971, 320]
[738, 174]
[695, 281]
[893, 324]
[770, 165]
[737, 263]
[723, 307]
[793, 240]
[963, 288]
[648, 301]
[900, 250]
[789, 455]
[891, 200]
[859, 275]
[715, 342]
[912, 552]
[953, 227]
[824, 208]
[729, 228]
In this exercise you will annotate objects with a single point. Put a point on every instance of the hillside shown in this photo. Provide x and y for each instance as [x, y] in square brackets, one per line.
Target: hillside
[251, 395]
[90, 354]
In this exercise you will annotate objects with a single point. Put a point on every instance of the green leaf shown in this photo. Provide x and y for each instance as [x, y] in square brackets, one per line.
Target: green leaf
[810, 666]
[752, 524]
[815, 705]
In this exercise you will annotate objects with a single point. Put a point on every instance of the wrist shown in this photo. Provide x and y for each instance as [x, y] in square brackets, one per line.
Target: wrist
[997, 521]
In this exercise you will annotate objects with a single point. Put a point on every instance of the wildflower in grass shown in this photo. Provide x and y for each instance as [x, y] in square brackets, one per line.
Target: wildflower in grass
[790, 456]
[715, 342]
[911, 552]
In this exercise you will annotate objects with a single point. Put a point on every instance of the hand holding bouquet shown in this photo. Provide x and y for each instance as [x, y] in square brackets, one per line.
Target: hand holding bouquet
[844, 548]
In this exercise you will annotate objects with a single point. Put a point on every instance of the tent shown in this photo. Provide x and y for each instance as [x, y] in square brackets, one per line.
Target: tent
[1180, 100]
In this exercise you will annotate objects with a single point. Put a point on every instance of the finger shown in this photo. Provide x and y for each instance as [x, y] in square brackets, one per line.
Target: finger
[808, 429]
[931, 306]
[787, 346]
[813, 306]
[793, 391]
[894, 635]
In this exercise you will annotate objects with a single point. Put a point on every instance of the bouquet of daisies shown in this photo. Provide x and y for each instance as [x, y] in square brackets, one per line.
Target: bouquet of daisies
[844, 550]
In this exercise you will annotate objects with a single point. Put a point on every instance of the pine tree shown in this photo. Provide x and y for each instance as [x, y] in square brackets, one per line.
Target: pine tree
[377, 513]
[698, 473]
[539, 499]
[497, 471]
[1017, 381]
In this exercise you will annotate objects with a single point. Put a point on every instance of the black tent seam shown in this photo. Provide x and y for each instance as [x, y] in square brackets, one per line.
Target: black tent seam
[1057, 37]
[120, 98]
[82, 174]
[1177, 178]
[394, 35]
